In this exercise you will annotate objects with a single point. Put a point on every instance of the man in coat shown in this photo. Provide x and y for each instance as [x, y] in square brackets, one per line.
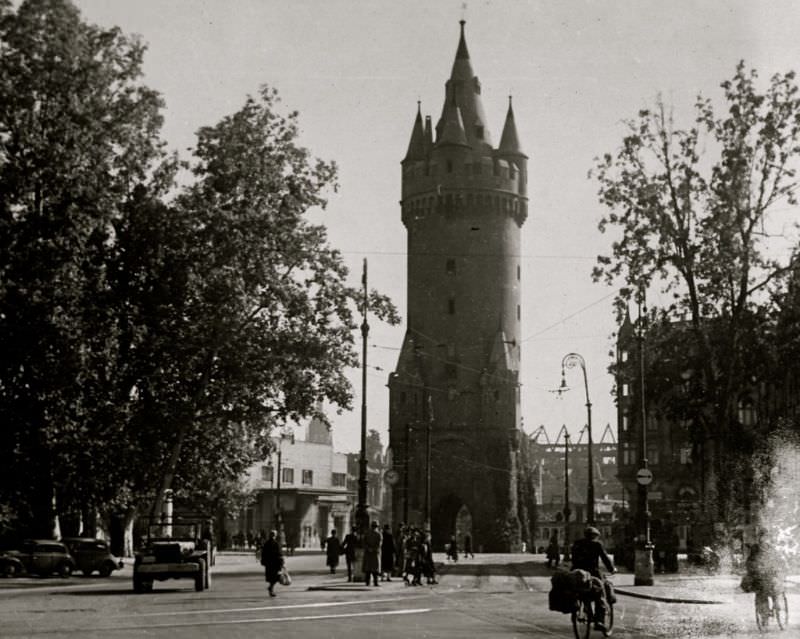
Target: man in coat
[349, 551]
[272, 560]
[372, 548]
[332, 551]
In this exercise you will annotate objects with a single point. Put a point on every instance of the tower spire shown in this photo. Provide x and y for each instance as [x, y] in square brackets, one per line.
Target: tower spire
[416, 146]
[509, 141]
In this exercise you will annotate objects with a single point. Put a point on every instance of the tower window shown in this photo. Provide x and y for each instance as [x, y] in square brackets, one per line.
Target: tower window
[449, 166]
[519, 272]
[451, 306]
[451, 267]
[519, 312]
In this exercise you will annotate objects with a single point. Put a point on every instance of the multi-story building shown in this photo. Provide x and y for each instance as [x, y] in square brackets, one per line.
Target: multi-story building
[309, 481]
[454, 421]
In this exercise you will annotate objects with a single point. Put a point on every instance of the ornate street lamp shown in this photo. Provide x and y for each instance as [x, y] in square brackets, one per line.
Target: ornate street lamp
[571, 360]
[567, 511]
[362, 516]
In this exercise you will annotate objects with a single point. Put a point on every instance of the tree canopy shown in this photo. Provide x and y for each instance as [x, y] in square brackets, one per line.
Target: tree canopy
[692, 212]
[153, 334]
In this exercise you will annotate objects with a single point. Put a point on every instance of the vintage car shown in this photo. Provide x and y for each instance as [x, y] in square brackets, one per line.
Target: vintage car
[44, 557]
[172, 551]
[92, 555]
[10, 565]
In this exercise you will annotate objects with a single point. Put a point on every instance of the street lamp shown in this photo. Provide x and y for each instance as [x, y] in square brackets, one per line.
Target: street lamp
[362, 517]
[567, 511]
[571, 360]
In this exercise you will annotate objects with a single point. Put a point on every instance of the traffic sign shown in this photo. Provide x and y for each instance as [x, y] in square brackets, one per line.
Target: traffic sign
[644, 476]
[391, 476]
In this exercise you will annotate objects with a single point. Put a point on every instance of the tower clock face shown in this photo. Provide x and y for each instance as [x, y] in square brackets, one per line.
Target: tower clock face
[391, 477]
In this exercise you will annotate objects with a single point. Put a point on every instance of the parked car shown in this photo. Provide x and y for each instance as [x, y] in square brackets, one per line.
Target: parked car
[10, 566]
[92, 554]
[44, 557]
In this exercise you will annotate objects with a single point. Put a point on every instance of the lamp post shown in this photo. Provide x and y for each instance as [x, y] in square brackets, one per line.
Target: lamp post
[407, 465]
[428, 426]
[278, 509]
[571, 360]
[643, 554]
[567, 511]
[362, 517]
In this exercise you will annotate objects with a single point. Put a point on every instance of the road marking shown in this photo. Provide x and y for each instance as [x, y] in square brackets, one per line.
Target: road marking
[321, 604]
[408, 611]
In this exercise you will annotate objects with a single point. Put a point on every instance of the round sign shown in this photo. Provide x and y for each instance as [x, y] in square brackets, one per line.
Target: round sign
[644, 476]
[391, 477]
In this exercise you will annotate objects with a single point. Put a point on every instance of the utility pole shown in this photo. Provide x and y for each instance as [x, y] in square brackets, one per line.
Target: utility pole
[362, 517]
[643, 568]
[567, 511]
[428, 464]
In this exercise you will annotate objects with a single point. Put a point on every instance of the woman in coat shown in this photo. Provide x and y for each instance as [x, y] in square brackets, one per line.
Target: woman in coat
[387, 554]
[332, 551]
[272, 560]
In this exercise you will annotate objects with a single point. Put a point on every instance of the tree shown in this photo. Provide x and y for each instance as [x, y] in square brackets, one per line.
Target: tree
[692, 208]
[78, 132]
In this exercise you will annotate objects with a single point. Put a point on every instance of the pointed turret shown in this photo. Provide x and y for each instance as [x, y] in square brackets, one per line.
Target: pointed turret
[416, 146]
[463, 89]
[452, 127]
[428, 133]
[509, 141]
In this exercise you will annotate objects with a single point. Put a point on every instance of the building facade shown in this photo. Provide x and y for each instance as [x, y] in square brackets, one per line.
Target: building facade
[312, 492]
[454, 418]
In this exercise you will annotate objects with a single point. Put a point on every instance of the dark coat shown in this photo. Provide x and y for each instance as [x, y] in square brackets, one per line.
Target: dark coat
[349, 546]
[272, 560]
[332, 551]
[387, 552]
[372, 547]
[586, 555]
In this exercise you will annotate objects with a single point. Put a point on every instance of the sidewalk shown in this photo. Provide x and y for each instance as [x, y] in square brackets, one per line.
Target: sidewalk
[688, 588]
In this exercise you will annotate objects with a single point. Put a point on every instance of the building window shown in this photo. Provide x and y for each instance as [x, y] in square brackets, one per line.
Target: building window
[625, 390]
[519, 312]
[266, 473]
[287, 475]
[339, 480]
[652, 455]
[624, 422]
[652, 422]
[449, 166]
[519, 273]
[308, 478]
[450, 267]
[628, 454]
[623, 356]
[747, 412]
[686, 455]
[451, 306]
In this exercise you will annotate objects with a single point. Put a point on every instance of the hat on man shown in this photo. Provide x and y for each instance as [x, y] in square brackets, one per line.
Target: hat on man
[374, 524]
[591, 532]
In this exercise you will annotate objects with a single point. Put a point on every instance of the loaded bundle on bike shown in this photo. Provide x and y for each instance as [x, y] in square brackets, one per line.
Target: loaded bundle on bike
[569, 586]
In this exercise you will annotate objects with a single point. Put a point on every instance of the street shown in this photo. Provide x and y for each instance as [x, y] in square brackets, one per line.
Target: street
[488, 596]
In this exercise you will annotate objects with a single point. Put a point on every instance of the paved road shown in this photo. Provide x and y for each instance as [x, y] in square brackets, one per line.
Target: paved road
[500, 596]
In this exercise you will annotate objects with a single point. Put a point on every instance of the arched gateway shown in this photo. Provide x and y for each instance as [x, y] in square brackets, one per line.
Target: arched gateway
[454, 422]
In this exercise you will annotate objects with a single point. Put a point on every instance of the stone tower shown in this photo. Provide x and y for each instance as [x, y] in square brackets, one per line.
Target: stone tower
[454, 395]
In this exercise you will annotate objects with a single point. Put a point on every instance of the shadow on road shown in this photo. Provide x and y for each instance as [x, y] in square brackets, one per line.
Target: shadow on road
[523, 569]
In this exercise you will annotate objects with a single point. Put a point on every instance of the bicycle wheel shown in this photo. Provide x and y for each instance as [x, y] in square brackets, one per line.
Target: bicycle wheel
[763, 612]
[581, 621]
[608, 621]
[781, 609]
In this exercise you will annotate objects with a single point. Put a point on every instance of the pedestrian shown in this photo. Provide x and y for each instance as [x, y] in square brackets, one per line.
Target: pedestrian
[428, 565]
[452, 548]
[387, 554]
[349, 551]
[553, 554]
[272, 560]
[332, 551]
[468, 546]
[372, 548]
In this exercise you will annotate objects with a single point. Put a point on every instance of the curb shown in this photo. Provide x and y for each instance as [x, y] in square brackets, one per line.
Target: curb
[640, 595]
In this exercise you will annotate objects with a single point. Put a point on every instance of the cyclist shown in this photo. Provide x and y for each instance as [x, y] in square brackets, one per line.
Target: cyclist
[586, 555]
[765, 569]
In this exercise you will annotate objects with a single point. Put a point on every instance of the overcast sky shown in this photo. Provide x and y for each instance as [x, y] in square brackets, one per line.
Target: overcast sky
[355, 70]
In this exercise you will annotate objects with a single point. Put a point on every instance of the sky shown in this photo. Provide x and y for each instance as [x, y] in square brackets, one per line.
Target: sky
[355, 70]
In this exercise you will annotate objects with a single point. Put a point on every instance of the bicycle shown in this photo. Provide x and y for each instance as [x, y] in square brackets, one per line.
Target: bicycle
[583, 615]
[766, 608]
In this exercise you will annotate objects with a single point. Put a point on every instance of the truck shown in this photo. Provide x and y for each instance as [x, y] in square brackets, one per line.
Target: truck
[172, 551]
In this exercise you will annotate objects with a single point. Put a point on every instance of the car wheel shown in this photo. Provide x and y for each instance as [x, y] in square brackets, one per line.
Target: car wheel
[65, 570]
[200, 578]
[10, 570]
[138, 584]
[106, 570]
[87, 573]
